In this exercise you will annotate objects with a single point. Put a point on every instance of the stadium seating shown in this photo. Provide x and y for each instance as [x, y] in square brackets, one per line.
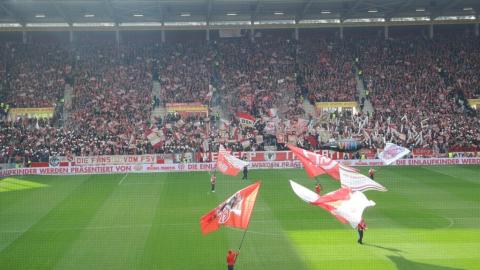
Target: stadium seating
[418, 89]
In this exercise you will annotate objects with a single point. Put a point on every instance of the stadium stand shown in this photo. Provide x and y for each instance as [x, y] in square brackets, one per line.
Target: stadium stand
[417, 92]
[418, 89]
[36, 74]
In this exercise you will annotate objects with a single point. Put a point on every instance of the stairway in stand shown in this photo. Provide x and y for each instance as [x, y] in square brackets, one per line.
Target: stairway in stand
[368, 107]
[159, 111]
[67, 104]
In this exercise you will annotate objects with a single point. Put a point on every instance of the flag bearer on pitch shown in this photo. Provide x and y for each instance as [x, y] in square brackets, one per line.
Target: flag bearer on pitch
[213, 181]
[231, 258]
[362, 226]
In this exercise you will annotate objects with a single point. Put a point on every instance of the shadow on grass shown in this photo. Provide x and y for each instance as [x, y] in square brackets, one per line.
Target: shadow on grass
[385, 248]
[403, 264]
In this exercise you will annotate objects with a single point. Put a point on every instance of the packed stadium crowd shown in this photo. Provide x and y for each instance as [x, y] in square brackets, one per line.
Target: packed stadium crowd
[414, 91]
[37, 73]
[327, 70]
[185, 72]
[418, 89]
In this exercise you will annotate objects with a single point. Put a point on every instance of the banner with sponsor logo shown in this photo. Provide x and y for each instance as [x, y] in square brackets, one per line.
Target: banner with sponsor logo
[188, 167]
[422, 152]
[474, 103]
[187, 108]
[54, 161]
[31, 112]
[345, 104]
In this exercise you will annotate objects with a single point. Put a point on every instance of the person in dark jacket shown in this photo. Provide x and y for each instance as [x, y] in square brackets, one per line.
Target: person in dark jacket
[362, 226]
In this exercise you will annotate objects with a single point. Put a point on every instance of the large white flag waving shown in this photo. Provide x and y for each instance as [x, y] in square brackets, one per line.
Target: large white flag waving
[392, 153]
[358, 182]
[345, 205]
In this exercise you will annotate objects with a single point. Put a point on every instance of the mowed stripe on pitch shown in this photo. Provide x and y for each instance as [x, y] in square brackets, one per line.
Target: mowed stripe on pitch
[422, 222]
[448, 196]
[124, 217]
[39, 249]
[182, 246]
[334, 249]
[397, 248]
[20, 210]
[266, 243]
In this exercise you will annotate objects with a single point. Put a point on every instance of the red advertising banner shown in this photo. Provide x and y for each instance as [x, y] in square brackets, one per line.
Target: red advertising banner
[422, 152]
[274, 155]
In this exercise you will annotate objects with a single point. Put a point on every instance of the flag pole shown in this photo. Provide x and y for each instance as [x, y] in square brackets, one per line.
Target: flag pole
[246, 229]
[243, 238]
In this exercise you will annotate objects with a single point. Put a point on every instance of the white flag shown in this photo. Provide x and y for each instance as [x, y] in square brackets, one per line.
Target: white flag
[358, 182]
[392, 153]
[345, 205]
[352, 209]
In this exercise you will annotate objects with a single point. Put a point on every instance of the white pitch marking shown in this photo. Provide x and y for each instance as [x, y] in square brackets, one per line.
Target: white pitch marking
[450, 220]
[123, 178]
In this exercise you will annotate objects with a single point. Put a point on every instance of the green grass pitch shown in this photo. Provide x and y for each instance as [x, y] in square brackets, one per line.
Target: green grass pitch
[429, 219]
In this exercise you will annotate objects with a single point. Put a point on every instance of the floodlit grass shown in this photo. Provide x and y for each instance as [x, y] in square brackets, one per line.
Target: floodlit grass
[429, 219]
[13, 184]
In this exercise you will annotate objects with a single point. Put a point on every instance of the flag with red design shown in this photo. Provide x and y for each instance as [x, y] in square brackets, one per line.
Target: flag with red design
[315, 164]
[346, 205]
[233, 212]
[228, 164]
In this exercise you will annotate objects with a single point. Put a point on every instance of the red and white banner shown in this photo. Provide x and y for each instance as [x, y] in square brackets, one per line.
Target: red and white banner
[246, 119]
[273, 155]
[189, 167]
[114, 160]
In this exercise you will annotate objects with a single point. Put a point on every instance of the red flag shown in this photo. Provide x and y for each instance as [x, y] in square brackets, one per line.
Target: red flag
[233, 212]
[309, 167]
[228, 164]
[316, 164]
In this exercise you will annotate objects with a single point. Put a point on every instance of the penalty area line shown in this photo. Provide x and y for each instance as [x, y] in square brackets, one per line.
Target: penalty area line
[123, 178]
